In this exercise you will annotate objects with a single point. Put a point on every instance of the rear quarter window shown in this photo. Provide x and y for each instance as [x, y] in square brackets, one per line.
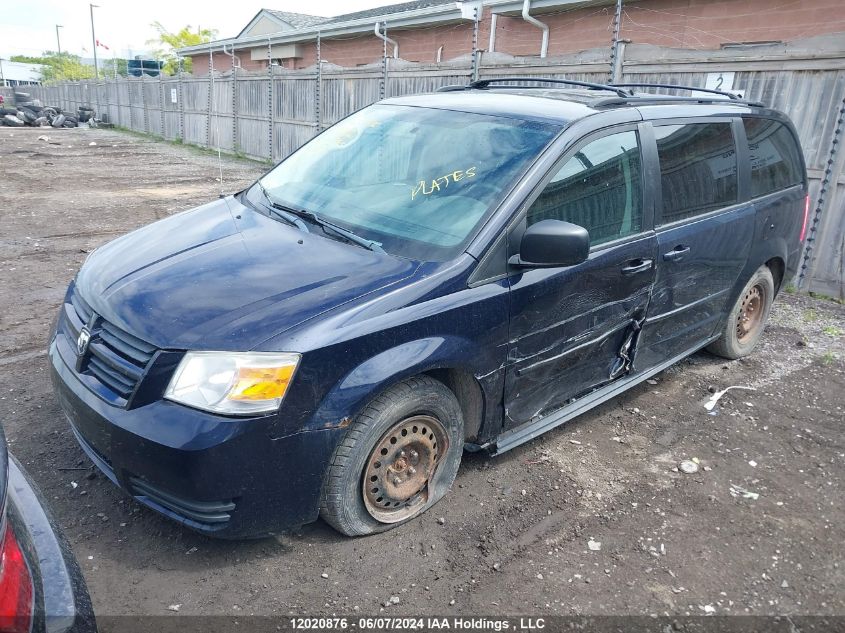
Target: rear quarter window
[697, 169]
[775, 156]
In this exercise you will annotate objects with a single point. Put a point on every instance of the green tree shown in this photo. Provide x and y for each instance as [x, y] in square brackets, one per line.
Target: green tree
[58, 66]
[169, 43]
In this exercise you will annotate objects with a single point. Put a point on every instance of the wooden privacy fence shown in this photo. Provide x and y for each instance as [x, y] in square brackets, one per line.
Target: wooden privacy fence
[267, 115]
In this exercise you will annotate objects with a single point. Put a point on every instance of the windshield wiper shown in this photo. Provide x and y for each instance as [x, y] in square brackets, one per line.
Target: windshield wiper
[339, 230]
[286, 213]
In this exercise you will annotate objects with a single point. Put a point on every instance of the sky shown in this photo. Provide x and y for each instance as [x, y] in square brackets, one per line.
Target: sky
[125, 26]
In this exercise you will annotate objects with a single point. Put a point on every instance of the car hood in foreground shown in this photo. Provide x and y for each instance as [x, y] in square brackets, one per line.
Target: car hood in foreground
[225, 277]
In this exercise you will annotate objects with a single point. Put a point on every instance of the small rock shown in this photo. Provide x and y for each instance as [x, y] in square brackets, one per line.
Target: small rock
[539, 576]
[496, 566]
[784, 585]
[752, 463]
[324, 575]
[688, 467]
[441, 521]
[74, 485]
[594, 546]
[576, 442]
[44, 138]
[394, 599]
[174, 607]
[451, 602]
[92, 144]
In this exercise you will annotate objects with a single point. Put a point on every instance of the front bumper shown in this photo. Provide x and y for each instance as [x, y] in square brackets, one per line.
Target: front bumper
[62, 601]
[225, 477]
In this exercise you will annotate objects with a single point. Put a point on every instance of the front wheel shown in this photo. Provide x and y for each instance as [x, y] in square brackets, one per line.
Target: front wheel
[747, 319]
[397, 459]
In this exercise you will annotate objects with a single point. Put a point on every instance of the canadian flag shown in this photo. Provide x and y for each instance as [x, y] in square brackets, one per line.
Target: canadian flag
[99, 43]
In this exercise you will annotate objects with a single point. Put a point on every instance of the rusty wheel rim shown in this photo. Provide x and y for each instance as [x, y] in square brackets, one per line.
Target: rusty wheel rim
[750, 316]
[400, 467]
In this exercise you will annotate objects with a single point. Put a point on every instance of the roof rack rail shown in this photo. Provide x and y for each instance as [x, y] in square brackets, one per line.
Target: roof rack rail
[484, 84]
[623, 93]
[644, 99]
[730, 95]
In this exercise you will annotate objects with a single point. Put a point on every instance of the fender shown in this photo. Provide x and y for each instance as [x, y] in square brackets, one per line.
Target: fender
[375, 375]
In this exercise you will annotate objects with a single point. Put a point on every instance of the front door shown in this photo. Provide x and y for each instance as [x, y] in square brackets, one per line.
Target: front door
[571, 328]
[704, 236]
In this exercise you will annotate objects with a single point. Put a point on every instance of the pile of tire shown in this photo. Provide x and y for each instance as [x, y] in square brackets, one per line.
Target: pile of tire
[31, 112]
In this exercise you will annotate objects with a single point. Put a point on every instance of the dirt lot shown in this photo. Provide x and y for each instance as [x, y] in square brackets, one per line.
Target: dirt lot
[516, 530]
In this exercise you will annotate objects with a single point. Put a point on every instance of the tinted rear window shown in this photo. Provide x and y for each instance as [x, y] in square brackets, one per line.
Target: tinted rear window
[775, 156]
[697, 168]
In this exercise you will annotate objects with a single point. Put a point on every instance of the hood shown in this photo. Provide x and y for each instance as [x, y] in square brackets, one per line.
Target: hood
[224, 277]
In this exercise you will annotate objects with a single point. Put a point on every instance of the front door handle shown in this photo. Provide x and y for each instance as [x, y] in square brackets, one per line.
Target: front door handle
[637, 266]
[676, 254]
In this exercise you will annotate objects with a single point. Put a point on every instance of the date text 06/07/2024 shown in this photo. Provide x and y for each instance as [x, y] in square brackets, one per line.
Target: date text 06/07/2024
[458, 623]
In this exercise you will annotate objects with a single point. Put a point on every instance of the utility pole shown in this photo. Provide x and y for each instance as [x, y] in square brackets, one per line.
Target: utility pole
[58, 42]
[94, 41]
[2, 76]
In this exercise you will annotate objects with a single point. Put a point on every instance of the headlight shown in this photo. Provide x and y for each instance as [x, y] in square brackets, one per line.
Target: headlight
[233, 383]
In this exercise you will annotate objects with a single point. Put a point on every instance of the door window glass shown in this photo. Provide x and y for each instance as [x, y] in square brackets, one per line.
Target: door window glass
[775, 156]
[697, 168]
[599, 188]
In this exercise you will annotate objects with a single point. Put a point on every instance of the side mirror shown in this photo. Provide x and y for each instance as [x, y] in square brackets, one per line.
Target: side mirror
[552, 243]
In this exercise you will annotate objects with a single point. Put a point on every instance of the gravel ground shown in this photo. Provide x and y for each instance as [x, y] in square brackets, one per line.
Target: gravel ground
[592, 518]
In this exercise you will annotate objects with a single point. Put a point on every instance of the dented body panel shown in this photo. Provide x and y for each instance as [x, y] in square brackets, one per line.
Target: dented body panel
[567, 327]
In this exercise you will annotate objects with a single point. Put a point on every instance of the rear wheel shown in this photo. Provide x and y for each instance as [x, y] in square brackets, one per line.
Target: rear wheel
[748, 317]
[398, 458]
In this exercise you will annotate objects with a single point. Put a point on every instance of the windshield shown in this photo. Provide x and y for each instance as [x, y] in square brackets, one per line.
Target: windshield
[416, 181]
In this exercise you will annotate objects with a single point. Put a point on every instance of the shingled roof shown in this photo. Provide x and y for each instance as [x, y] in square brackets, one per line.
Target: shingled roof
[389, 9]
[299, 20]
[307, 24]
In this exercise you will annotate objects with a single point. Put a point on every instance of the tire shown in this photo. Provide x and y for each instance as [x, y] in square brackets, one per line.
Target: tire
[747, 319]
[58, 121]
[356, 483]
[12, 121]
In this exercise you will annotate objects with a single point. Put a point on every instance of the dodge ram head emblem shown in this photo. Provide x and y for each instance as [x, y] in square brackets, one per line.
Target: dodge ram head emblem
[83, 341]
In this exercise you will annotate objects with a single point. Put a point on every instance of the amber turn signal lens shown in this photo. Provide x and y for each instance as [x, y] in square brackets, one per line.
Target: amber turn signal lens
[264, 383]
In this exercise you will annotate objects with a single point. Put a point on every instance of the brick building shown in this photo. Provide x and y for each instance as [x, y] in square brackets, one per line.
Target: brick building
[429, 31]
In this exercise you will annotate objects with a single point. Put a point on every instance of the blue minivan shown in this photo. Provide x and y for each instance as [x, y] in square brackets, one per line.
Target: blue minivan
[458, 270]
